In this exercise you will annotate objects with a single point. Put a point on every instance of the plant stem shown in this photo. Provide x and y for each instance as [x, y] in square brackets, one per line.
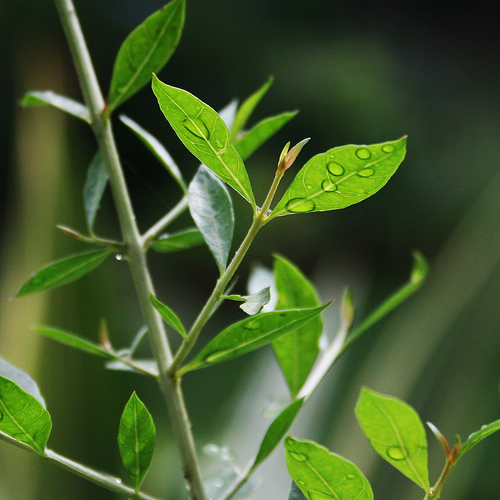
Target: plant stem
[136, 254]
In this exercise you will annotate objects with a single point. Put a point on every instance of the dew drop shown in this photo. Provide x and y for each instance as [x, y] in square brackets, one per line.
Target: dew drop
[219, 144]
[215, 356]
[388, 148]
[363, 153]
[119, 256]
[395, 453]
[299, 457]
[308, 187]
[303, 483]
[197, 128]
[218, 483]
[351, 476]
[252, 325]
[366, 172]
[300, 205]
[335, 168]
[118, 480]
[328, 187]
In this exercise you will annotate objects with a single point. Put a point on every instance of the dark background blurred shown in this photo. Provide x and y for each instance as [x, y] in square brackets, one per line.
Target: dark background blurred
[360, 72]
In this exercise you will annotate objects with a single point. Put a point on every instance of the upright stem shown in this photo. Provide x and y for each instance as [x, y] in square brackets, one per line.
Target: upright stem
[136, 253]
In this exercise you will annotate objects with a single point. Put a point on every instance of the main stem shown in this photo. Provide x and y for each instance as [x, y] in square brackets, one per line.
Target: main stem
[136, 253]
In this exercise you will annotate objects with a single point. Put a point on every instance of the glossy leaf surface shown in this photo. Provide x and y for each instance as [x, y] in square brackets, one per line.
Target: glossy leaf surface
[296, 351]
[396, 432]
[211, 208]
[181, 240]
[97, 179]
[254, 303]
[23, 417]
[250, 334]
[341, 177]
[204, 133]
[145, 51]
[322, 475]
[22, 379]
[64, 271]
[168, 315]
[136, 439]
[478, 436]
[49, 98]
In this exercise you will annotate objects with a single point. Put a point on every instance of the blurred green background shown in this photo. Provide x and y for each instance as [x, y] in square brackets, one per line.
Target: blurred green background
[360, 72]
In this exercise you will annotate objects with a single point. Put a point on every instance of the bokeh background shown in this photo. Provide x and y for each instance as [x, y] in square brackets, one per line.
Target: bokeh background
[360, 72]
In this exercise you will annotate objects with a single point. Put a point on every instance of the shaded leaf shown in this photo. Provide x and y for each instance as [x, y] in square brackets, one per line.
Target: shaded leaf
[140, 366]
[181, 240]
[254, 303]
[396, 432]
[296, 351]
[478, 436]
[296, 493]
[23, 417]
[64, 271]
[168, 315]
[322, 475]
[136, 440]
[49, 98]
[211, 208]
[145, 51]
[341, 177]
[204, 133]
[97, 179]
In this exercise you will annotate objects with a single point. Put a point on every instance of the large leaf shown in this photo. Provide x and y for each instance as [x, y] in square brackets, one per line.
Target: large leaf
[49, 98]
[396, 432]
[250, 334]
[145, 51]
[23, 417]
[478, 436]
[136, 440]
[22, 379]
[64, 271]
[296, 351]
[97, 179]
[181, 240]
[212, 210]
[322, 475]
[204, 133]
[341, 177]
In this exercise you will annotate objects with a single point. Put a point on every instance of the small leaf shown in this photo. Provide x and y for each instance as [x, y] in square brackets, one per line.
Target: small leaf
[277, 430]
[254, 303]
[204, 133]
[49, 98]
[250, 334]
[478, 436]
[181, 240]
[212, 210]
[136, 440]
[97, 179]
[22, 379]
[168, 315]
[341, 177]
[23, 417]
[157, 148]
[64, 271]
[297, 351]
[322, 475]
[396, 432]
[140, 366]
[145, 51]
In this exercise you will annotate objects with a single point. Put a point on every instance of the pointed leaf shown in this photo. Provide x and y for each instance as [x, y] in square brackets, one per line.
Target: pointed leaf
[23, 417]
[254, 303]
[64, 271]
[212, 210]
[322, 475]
[22, 379]
[204, 133]
[140, 366]
[168, 315]
[97, 179]
[145, 51]
[396, 432]
[49, 98]
[136, 440]
[296, 351]
[341, 177]
[250, 334]
[157, 148]
[181, 240]
[478, 436]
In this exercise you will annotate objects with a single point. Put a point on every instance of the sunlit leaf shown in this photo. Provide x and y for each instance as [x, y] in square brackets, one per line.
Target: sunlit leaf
[145, 51]
[97, 179]
[181, 240]
[204, 133]
[64, 271]
[396, 432]
[341, 177]
[323, 475]
[296, 351]
[211, 208]
[168, 315]
[254, 303]
[49, 98]
[136, 440]
[23, 417]
[478, 436]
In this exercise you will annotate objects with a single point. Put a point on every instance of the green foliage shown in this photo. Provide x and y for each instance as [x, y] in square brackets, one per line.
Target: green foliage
[180, 240]
[254, 303]
[97, 180]
[49, 98]
[478, 436]
[168, 315]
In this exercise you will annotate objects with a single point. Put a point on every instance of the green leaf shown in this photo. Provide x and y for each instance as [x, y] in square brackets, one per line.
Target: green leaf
[145, 51]
[168, 315]
[204, 133]
[49, 98]
[22, 379]
[277, 430]
[260, 133]
[478, 436]
[157, 148]
[247, 107]
[136, 440]
[254, 303]
[23, 417]
[296, 493]
[396, 432]
[341, 177]
[97, 179]
[211, 208]
[296, 351]
[64, 271]
[322, 475]
[250, 334]
[181, 240]
[140, 366]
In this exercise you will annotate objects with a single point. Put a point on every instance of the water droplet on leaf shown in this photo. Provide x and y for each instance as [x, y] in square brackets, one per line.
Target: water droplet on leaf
[219, 144]
[299, 457]
[328, 186]
[252, 325]
[119, 256]
[351, 476]
[300, 205]
[197, 128]
[309, 187]
[388, 148]
[396, 453]
[303, 483]
[363, 153]
[366, 172]
[335, 168]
